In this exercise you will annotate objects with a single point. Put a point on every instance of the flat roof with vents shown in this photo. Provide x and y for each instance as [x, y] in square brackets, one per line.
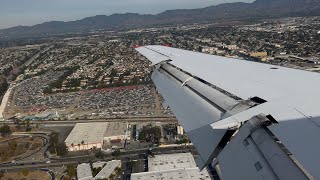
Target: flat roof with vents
[108, 169]
[176, 174]
[171, 161]
[172, 166]
[90, 133]
[84, 172]
[116, 128]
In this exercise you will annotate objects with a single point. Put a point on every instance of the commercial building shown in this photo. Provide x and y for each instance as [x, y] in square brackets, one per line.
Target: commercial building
[172, 166]
[171, 161]
[85, 136]
[47, 115]
[84, 172]
[108, 169]
[176, 174]
[116, 131]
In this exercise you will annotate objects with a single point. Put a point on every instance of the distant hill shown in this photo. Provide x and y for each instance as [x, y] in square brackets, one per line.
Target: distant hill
[225, 12]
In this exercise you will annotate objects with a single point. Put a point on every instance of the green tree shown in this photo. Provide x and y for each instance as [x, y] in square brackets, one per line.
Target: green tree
[53, 142]
[17, 122]
[71, 171]
[99, 154]
[28, 129]
[27, 123]
[62, 149]
[184, 141]
[25, 172]
[5, 130]
[116, 153]
[96, 171]
[150, 134]
[112, 176]
[132, 164]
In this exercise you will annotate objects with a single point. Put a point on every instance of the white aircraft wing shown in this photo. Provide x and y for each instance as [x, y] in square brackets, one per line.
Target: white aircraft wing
[248, 120]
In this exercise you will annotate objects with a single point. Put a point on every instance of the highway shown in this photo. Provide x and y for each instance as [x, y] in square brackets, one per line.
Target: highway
[133, 119]
[126, 156]
[35, 165]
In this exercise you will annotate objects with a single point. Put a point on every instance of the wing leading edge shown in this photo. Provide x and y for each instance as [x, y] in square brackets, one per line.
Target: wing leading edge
[217, 99]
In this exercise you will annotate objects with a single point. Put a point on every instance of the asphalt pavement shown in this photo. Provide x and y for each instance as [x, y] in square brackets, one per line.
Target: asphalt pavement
[127, 119]
[125, 157]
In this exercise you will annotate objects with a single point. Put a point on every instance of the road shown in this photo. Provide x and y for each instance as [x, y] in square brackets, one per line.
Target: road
[37, 165]
[36, 56]
[134, 119]
[125, 157]
[42, 150]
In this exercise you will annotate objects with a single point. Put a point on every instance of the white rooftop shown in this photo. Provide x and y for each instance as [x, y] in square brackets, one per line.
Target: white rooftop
[175, 174]
[84, 172]
[116, 128]
[171, 161]
[98, 164]
[172, 166]
[87, 132]
[108, 169]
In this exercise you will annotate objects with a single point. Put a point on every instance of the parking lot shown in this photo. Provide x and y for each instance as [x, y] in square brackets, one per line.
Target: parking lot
[127, 101]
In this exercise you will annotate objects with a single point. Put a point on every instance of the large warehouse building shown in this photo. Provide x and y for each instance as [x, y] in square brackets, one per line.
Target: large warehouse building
[172, 166]
[85, 136]
[116, 131]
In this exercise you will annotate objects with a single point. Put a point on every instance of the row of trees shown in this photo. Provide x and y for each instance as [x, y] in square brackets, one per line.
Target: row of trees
[150, 134]
[5, 130]
[56, 147]
[71, 171]
[82, 143]
[3, 87]
[23, 124]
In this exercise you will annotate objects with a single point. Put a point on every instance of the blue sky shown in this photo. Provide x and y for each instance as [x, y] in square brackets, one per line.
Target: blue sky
[30, 12]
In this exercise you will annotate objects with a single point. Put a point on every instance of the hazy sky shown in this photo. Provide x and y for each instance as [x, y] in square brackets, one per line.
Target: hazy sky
[30, 12]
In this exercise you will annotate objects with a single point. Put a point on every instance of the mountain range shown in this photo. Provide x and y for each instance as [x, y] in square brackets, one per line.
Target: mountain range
[222, 12]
